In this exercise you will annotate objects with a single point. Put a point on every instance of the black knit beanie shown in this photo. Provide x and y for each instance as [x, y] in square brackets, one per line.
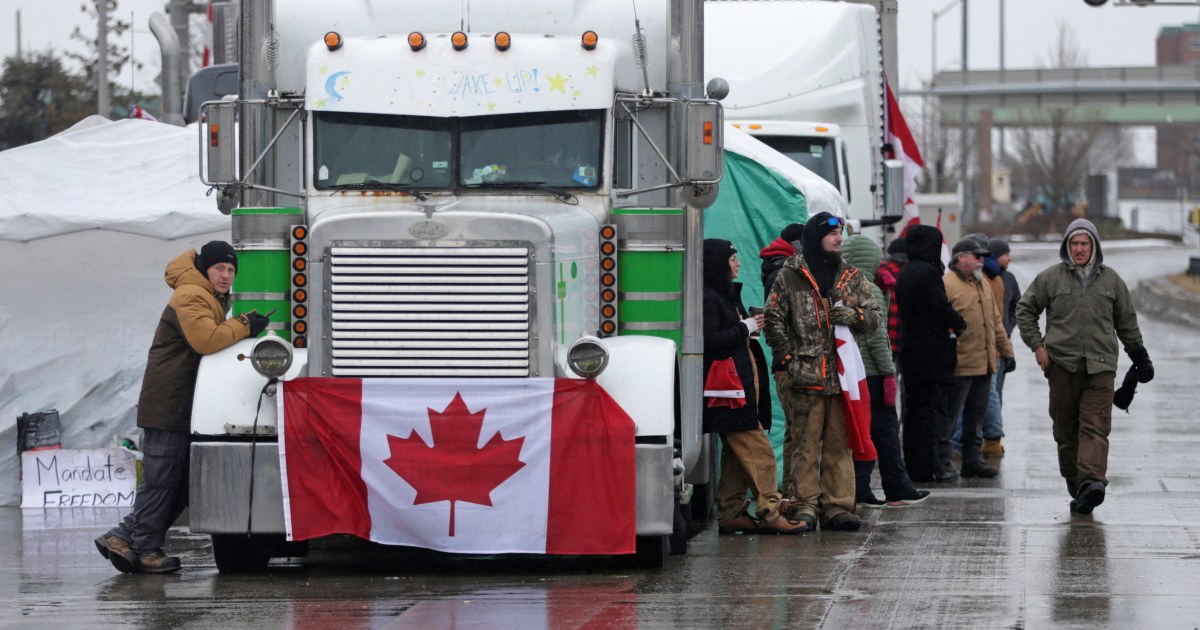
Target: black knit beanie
[215, 252]
[793, 232]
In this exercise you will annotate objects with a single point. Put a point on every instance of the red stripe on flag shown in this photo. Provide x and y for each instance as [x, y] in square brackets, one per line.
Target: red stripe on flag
[593, 473]
[325, 489]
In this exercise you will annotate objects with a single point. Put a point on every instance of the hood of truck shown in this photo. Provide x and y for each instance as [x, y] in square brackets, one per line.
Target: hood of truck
[554, 230]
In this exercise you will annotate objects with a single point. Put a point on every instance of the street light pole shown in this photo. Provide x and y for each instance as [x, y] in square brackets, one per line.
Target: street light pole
[934, 16]
[964, 211]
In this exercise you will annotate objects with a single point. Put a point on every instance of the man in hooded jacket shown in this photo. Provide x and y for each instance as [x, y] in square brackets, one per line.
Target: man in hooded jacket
[1088, 309]
[747, 461]
[193, 324]
[929, 328]
[815, 291]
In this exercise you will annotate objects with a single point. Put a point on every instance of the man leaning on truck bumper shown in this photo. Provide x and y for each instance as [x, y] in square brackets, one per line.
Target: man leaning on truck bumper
[193, 324]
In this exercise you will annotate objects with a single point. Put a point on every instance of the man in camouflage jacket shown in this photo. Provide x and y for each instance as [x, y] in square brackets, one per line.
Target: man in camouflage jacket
[815, 291]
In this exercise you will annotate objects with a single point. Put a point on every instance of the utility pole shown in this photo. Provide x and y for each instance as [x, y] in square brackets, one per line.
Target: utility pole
[18, 34]
[963, 150]
[103, 107]
[1000, 128]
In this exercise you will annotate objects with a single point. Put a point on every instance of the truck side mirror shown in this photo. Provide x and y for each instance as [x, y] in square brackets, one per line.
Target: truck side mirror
[702, 144]
[893, 188]
[218, 142]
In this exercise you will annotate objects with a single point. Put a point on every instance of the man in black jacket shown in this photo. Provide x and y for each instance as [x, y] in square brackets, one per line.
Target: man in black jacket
[929, 327]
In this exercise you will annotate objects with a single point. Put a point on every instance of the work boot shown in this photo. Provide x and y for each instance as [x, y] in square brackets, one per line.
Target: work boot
[157, 562]
[844, 521]
[121, 555]
[993, 448]
[107, 543]
[1090, 496]
[978, 469]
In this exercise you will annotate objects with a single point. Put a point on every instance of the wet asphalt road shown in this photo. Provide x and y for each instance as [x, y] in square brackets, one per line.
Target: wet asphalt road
[1003, 553]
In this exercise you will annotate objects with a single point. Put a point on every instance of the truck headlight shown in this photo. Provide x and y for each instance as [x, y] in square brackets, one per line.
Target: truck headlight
[272, 356]
[587, 357]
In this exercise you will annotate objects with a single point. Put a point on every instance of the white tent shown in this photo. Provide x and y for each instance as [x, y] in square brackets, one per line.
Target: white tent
[88, 220]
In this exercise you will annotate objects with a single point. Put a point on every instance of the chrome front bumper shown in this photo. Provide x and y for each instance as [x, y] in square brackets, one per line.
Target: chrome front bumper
[220, 501]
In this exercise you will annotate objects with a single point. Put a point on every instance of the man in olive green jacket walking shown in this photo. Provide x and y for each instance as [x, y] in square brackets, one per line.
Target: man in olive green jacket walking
[1088, 308]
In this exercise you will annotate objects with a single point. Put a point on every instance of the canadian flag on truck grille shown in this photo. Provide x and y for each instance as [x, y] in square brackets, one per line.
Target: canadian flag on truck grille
[464, 465]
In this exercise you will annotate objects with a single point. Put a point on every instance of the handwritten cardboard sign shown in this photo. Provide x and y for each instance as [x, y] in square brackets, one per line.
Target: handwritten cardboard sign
[101, 477]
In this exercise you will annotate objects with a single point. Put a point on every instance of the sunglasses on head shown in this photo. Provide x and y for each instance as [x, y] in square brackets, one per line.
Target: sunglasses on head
[833, 221]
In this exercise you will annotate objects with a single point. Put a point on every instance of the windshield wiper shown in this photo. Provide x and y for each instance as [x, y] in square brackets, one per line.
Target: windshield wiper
[558, 193]
[374, 184]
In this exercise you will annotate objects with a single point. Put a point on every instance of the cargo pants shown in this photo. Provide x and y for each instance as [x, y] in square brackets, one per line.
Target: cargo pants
[163, 493]
[1081, 409]
[818, 474]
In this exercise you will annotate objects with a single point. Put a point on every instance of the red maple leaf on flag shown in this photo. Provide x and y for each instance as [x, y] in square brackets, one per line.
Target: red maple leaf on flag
[453, 468]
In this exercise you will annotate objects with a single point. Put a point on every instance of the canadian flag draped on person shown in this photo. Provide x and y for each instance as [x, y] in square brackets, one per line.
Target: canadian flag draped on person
[536, 465]
[852, 376]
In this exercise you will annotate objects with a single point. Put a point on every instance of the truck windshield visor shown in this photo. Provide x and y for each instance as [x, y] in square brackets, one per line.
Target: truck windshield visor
[814, 154]
[558, 149]
[352, 150]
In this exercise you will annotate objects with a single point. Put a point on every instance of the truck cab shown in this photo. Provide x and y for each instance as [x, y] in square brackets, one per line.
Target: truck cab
[819, 147]
[464, 204]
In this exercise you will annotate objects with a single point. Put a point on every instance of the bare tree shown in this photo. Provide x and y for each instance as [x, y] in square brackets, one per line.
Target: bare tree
[942, 155]
[1056, 149]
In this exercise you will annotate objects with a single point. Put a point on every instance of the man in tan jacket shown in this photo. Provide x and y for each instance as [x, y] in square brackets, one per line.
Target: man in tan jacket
[981, 348]
[192, 324]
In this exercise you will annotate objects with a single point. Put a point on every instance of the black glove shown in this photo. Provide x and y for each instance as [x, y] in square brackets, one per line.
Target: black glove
[258, 323]
[1010, 364]
[1143, 365]
[1123, 397]
[781, 363]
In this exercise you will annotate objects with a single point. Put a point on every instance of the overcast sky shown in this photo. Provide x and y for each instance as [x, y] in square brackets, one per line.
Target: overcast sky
[1109, 35]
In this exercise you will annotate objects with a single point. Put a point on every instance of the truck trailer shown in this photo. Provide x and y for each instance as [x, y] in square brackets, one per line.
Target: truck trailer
[806, 77]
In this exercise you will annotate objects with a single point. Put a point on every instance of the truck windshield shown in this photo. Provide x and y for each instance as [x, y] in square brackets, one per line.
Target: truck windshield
[814, 154]
[559, 149]
[535, 150]
[357, 150]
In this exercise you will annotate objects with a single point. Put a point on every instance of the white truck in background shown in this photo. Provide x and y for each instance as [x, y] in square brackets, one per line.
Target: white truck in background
[806, 78]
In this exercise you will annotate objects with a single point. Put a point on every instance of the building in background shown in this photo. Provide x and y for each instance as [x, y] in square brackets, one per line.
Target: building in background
[1179, 144]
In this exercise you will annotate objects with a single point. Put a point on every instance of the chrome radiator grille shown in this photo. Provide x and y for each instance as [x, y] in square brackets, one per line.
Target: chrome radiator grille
[433, 311]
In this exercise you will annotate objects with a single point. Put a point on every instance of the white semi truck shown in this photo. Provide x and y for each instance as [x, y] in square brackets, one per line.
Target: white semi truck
[563, 149]
[806, 78]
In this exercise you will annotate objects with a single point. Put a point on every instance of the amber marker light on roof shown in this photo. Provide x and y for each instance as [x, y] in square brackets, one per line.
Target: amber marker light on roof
[458, 40]
[416, 41]
[503, 40]
[589, 40]
[822, 129]
[333, 41]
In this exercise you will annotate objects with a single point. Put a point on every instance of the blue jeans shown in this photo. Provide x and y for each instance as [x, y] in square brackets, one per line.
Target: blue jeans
[993, 422]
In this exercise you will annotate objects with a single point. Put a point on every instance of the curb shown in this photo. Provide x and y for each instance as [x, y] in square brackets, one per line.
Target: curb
[1163, 299]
